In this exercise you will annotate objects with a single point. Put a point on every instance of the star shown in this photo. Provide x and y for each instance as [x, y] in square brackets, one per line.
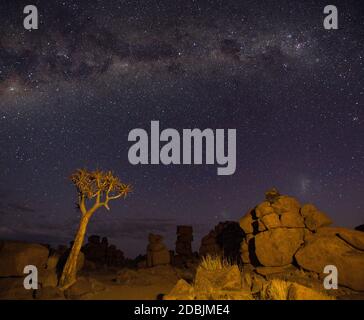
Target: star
[71, 92]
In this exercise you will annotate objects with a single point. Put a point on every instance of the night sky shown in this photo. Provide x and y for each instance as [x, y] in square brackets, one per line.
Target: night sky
[71, 91]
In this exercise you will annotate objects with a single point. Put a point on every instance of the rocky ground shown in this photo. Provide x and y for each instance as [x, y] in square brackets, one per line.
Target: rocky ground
[278, 250]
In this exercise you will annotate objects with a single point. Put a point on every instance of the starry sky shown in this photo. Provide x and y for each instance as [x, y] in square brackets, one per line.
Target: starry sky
[71, 91]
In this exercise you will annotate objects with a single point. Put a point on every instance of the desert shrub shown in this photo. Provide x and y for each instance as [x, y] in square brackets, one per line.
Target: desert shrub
[215, 262]
[276, 289]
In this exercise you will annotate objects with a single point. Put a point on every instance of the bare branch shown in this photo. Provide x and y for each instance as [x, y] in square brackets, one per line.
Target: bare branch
[114, 197]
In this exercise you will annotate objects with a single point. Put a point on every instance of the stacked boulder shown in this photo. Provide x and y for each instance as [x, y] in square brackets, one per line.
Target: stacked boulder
[223, 240]
[96, 250]
[184, 241]
[157, 253]
[101, 253]
[281, 233]
[14, 257]
[114, 257]
[184, 252]
[209, 245]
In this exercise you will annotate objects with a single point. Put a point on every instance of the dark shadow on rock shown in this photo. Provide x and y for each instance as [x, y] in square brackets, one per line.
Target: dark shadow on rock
[229, 239]
[160, 296]
[252, 256]
[255, 226]
[254, 214]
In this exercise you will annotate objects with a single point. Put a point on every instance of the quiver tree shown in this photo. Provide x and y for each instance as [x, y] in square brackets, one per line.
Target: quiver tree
[95, 190]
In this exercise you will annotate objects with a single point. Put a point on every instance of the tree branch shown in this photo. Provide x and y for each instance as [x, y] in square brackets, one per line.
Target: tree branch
[83, 205]
[98, 197]
[108, 198]
[114, 197]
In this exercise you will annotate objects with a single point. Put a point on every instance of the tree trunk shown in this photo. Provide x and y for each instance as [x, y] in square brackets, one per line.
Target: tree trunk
[70, 269]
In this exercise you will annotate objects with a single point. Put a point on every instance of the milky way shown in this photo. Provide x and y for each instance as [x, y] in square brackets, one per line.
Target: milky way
[71, 91]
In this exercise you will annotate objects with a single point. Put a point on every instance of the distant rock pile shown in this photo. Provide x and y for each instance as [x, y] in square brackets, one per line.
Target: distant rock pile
[184, 241]
[280, 232]
[61, 255]
[184, 254]
[223, 240]
[157, 252]
[101, 253]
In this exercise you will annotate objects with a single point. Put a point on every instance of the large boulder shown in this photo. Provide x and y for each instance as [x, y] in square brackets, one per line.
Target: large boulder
[267, 271]
[354, 238]
[286, 204]
[322, 250]
[314, 218]
[181, 291]
[157, 253]
[14, 256]
[47, 278]
[263, 209]
[299, 292]
[292, 220]
[288, 225]
[283, 239]
[277, 247]
[271, 221]
[218, 284]
[211, 280]
[246, 223]
[244, 250]
[52, 261]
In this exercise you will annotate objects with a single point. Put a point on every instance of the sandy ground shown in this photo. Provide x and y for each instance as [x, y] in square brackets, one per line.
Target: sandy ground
[156, 284]
[125, 292]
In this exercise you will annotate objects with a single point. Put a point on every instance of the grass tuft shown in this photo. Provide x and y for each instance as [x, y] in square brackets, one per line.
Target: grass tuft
[213, 263]
[276, 289]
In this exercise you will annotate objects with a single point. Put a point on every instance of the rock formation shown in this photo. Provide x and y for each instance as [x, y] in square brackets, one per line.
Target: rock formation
[101, 253]
[14, 256]
[211, 285]
[157, 253]
[224, 240]
[184, 253]
[184, 241]
[280, 232]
